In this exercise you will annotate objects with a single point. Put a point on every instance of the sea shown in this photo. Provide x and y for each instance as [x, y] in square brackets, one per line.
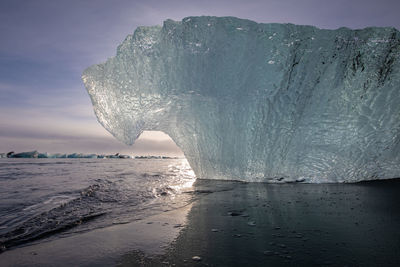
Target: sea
[99, 212]
[44, 199]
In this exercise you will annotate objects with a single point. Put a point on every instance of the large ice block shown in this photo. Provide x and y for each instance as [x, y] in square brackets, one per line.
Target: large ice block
[259, 102]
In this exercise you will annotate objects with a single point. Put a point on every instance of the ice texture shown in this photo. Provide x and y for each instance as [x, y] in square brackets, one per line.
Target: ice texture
[259, 102]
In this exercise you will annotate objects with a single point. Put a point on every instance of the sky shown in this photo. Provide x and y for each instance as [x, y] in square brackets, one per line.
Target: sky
[46, 44]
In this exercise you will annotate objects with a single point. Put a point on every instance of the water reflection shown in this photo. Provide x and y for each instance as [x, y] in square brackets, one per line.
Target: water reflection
[242, 224]
[183, 170]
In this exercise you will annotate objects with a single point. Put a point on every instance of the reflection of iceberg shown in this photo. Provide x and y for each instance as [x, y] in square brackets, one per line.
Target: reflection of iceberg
[285, 225]
[257, 102]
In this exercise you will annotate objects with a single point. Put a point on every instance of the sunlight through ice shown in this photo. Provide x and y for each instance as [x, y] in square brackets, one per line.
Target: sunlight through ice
[259, 102]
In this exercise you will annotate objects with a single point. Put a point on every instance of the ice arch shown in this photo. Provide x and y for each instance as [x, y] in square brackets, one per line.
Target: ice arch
[156, 143]
[259, 102]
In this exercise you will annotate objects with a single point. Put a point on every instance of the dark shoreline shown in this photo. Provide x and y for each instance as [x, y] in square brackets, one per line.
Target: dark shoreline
[287, 225]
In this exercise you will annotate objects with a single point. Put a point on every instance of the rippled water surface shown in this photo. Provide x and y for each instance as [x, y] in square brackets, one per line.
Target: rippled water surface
[44, 198]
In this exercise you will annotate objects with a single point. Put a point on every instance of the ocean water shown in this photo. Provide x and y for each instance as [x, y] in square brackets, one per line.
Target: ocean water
[67, 201]
[41, 199]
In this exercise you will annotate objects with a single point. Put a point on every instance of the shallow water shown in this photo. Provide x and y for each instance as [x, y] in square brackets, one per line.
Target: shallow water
[227, 223]
[250, 224]
[46, 198]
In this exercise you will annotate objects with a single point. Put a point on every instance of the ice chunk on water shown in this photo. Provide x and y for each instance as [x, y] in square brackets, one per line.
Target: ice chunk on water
[30, 154]
[274, 102]
[81, 156]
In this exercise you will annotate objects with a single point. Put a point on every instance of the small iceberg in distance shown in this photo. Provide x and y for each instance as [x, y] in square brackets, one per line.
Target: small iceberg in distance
[45, 155]
[80, 156]
[31, 154]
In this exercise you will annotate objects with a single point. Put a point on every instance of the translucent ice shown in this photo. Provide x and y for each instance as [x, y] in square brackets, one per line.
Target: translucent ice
[259, 102]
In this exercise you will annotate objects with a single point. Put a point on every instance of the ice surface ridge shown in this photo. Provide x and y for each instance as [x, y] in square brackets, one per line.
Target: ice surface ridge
[259, 102]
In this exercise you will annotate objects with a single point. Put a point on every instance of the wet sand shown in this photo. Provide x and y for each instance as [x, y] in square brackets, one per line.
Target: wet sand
[245, 224]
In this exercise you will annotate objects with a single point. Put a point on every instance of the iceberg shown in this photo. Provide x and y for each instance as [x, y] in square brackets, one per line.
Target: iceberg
[30, 154]
[259, 102]
[46, 155]
[81, 156]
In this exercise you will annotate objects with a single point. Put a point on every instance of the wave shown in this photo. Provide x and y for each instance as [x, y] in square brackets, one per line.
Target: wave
[66, 201]
[97, 200]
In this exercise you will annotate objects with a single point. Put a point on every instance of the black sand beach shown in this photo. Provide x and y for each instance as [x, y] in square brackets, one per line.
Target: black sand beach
[244, 224]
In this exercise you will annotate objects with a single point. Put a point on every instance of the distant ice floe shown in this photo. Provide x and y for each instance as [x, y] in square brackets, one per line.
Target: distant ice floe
[36, 154]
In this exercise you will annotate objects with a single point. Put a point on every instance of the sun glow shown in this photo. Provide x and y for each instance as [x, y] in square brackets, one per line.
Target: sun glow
[187, 176]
